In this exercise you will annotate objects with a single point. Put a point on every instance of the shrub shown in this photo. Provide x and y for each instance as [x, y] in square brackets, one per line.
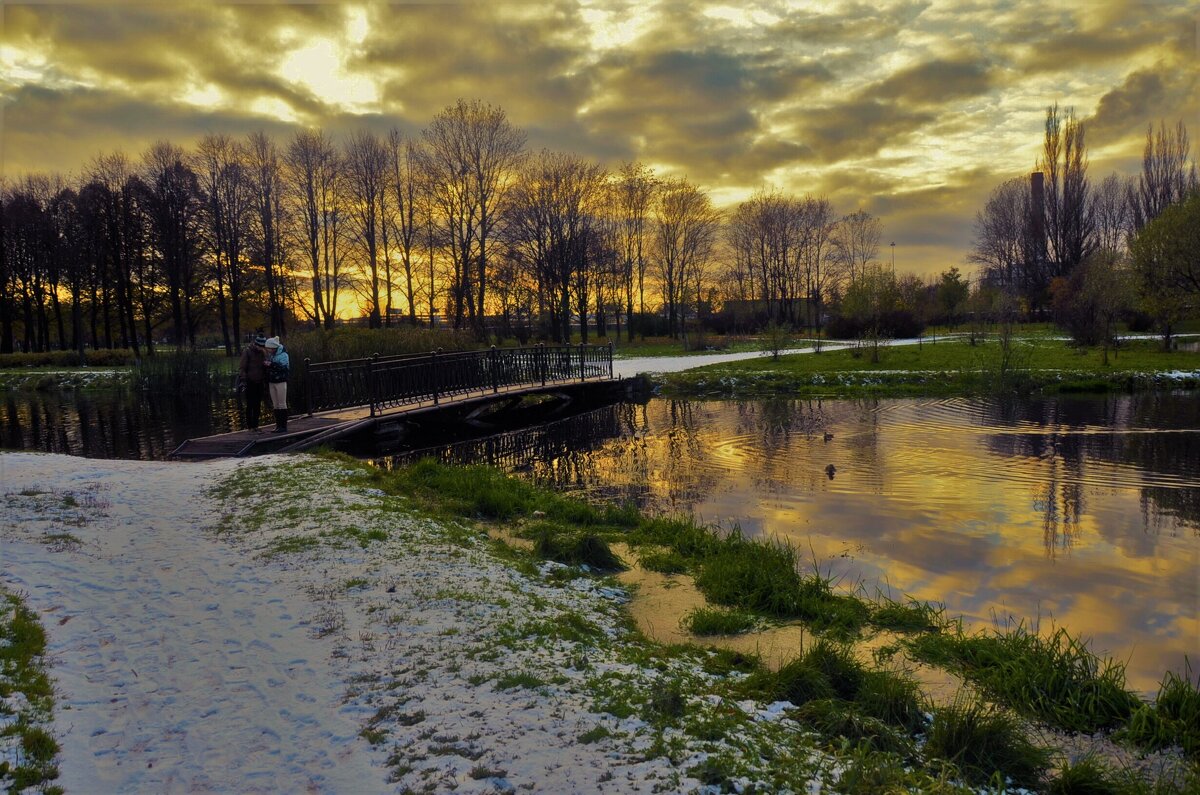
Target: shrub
[797, 682]
[913, 616]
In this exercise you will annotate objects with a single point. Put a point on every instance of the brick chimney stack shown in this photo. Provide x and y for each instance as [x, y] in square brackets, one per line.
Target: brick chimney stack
[1037, 223]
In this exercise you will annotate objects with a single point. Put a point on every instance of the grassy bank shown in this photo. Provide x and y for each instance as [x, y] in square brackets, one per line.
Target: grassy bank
[27, 748]
[945, 368]
[870, 717]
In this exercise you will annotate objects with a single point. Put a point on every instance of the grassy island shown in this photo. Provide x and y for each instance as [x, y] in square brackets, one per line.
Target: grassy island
[947, 367]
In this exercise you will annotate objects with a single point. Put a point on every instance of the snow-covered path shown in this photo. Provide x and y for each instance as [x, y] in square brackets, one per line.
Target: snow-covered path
[627, 368]
[180, 667]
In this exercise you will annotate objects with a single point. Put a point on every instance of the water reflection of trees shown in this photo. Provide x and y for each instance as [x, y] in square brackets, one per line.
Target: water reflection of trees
[109, 423]
[1153, 438]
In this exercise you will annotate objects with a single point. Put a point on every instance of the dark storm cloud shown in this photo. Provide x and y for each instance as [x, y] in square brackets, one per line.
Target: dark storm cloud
[1099, 34]
[86, 122]
[1145, 97]
[934, 82]
[851, 22]
[860, 127]
[431, 55]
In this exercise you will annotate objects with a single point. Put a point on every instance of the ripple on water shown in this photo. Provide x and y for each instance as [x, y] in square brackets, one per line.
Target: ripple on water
[1084, 511]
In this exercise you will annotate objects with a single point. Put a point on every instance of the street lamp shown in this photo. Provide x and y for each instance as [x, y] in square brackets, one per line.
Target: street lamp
[893, 258]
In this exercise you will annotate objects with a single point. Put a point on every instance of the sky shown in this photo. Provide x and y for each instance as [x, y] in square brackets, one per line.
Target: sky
[910, 110]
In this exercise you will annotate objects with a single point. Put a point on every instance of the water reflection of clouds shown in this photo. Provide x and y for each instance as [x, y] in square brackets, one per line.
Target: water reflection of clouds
[1015, 509]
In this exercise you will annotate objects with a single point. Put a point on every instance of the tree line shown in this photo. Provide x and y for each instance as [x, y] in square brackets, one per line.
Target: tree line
[460, 222]
[1092, 253]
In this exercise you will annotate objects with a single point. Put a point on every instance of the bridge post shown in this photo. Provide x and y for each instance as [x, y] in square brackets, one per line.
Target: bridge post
[582, 366]
[372, 391]
[493, 364]
[433, 372]
[610, 359]
[542, 361]
[308, 385]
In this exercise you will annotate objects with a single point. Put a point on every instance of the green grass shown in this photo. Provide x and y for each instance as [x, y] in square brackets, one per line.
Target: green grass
[986, 743]
[576, 549]
[1054, 678]
[710, 621]
[1089, 776]
[666, 346]
[512, 681]
[664, 562]
[59, 360]
[1173, 719]
[750, 575]
[763, 576]
[23, 670]
[871, 720]
[1038, 363]
[909, 616]
[830, 671]
[593, 735]
[838, 722]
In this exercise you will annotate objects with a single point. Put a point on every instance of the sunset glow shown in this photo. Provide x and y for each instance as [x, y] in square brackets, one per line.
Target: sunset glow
[913, 111]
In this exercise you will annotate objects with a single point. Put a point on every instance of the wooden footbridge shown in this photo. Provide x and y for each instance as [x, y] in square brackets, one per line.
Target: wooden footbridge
[347, 398]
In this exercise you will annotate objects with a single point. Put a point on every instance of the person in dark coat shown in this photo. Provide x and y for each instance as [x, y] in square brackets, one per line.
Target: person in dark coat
[252, 373]
[277, 376]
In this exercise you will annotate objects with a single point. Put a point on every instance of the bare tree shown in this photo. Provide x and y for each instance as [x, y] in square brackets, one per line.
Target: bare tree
[820, 275]
[471, 154]
[1064, 161]
[221, 166]
[1167, 176]
[175, 211]
[366, 165]
[550, 226]
[686, 226]
[317, 195]
[409, 212]
[124, 235]
[266, 187]
[1110, 214]
[856, 242]
[1001, 228]
[635, 187]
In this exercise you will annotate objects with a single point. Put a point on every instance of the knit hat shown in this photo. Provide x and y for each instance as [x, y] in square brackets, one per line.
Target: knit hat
[273, 343]
[260, 340]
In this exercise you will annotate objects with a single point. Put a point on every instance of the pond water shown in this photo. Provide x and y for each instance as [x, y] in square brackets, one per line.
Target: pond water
[116, 423]
[1077, 511]
[1082, 512]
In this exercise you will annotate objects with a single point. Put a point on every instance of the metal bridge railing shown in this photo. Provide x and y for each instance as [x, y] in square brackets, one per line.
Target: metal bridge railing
[383, 382]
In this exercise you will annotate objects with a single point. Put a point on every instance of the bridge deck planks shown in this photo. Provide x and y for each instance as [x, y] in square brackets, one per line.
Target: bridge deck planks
[242, 443]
